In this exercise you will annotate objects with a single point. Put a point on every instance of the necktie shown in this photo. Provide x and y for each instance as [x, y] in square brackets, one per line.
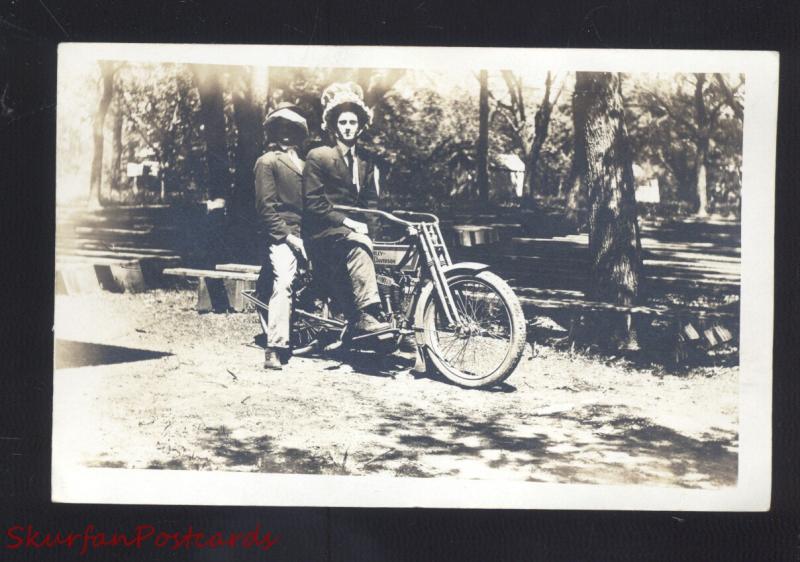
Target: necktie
[350, 159]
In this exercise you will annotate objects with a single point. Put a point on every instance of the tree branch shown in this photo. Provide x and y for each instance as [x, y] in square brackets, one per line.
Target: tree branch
[516, 102]
[668, 110]
[379, 85]
[730, 95]
[137, 125]
[558, 93]
[517, 131]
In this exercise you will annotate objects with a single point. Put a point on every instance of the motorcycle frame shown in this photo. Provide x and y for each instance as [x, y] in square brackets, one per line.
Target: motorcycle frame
[424, 237]
[427, 239]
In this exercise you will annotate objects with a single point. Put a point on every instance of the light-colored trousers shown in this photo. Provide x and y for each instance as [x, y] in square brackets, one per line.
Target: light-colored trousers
[284, 268]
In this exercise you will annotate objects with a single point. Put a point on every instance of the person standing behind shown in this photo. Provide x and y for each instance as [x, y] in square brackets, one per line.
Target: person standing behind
[343, 174]
[279, 204]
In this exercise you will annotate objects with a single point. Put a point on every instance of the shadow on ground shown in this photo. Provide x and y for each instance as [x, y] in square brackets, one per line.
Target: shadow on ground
[70, 354]
[591, 445]
[374, 364]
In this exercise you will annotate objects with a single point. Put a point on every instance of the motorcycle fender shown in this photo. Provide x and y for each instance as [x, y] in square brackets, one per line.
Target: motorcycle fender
[465, 267]
[427, 289]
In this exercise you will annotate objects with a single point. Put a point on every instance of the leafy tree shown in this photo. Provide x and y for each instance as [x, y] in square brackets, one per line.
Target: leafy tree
[303, 87]
[376, 84]
[155, 119]
[427, 139]
[528, 138]
[204, 125]
[690, 125]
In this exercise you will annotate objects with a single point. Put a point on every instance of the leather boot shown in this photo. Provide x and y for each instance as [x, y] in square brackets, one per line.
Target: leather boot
[272, 360]
[365, 323]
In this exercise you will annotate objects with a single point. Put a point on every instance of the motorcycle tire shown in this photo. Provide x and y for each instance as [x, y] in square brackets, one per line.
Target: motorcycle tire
[483, 362]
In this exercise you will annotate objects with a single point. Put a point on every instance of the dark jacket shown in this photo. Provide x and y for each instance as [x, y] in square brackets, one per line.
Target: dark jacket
[327, 182]
[279, 196]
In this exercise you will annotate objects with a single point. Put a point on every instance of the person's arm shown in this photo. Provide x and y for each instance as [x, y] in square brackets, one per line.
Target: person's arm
[370, 198]
[315, 202]
[267, 201]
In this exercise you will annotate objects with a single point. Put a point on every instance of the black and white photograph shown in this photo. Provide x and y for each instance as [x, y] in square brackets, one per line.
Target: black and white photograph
[438, 277]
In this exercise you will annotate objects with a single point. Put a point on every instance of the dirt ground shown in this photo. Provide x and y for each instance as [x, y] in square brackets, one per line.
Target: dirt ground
[143, 381]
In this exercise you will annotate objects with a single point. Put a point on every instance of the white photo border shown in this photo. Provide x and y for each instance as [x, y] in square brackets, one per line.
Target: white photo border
[72, 483]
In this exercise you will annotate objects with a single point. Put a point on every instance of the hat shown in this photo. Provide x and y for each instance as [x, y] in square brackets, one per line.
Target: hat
[288, 114]
[344, 96]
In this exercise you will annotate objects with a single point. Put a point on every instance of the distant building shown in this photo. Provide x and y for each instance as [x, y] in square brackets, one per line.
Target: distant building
[647, 189]
[146, 173]
[508, 176]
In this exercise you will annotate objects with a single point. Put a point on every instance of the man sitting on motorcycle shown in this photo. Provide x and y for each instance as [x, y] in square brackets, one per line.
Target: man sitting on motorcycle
[343, 174]
[279, 203]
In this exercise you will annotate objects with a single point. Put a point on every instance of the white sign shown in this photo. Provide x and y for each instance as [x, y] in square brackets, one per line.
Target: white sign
[135, 169]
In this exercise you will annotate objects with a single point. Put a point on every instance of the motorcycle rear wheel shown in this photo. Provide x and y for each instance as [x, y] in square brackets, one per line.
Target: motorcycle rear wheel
[486, 349]
[312, 331]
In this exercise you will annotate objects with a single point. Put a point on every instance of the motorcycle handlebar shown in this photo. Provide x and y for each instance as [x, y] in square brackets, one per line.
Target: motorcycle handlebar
[390, 216]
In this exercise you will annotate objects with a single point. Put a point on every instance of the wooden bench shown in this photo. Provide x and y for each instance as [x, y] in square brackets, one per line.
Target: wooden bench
[82, 272]
[692, 326]
[239, 267]
[220, 290]
[114, 251]
[469, 235]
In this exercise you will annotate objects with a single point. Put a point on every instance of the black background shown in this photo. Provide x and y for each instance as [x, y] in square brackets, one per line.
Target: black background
[29, 33]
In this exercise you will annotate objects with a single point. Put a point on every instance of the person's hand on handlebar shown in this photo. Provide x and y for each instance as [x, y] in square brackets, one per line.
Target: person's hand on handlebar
[358, 227]
[296, 244]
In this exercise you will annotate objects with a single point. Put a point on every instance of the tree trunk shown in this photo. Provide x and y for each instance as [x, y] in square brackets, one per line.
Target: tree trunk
[702, 187]
[702, 146]
[212, 115]
[249, 145]
[116, 154]
[541, 125]
[213, 243]
[601, 144]
[576, 196]
[261, 100]
[249, 140]
[98, 124]
[482, 159]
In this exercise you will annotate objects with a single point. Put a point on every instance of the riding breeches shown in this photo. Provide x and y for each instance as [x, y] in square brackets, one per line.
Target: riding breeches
[344, 263]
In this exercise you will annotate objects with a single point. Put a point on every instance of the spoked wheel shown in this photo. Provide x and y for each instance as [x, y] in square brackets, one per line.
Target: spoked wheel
[306, 334]
[312, 325]
[486, 347]
[312, 331]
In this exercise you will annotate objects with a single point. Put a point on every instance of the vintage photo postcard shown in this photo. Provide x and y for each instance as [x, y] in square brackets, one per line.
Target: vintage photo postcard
[414, 277]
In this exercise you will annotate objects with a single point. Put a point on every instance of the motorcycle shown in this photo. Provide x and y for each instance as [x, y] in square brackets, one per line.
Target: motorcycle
[464, 321]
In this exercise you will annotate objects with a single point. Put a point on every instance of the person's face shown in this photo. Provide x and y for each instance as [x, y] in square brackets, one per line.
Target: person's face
[289, 136]
[347, 128]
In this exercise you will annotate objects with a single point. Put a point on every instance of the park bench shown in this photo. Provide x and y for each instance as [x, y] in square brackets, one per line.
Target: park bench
[552, 273]
[692, 327]
[469, 235]
[115, 249]
[220, 289]
[85, 272]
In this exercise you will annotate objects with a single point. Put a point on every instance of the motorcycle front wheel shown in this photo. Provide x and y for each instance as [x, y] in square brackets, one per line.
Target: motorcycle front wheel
[487, 345]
